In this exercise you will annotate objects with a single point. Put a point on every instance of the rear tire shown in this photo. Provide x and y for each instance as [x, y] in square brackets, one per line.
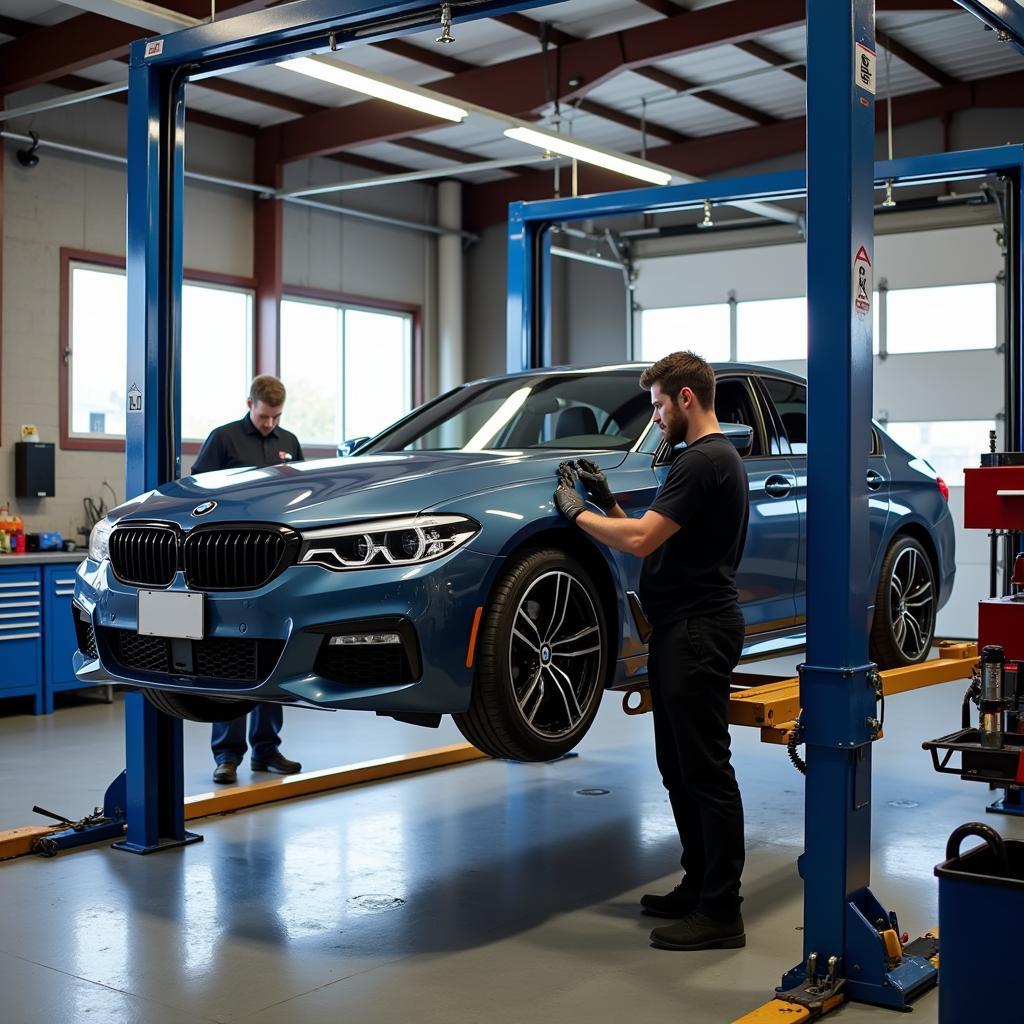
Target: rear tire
[905, 606]
[542, 656]
[194, 707]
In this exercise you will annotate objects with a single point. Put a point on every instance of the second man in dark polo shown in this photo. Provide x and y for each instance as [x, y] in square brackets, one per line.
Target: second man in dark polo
[254, 440]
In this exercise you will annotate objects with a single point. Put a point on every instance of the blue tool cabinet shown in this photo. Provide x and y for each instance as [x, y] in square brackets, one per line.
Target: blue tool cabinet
[37, 635]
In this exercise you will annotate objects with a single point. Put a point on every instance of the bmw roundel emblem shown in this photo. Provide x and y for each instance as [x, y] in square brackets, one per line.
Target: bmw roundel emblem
[203, 509]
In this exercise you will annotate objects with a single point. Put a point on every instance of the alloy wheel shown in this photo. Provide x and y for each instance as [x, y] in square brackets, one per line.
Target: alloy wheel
[911, 599]
[555, 654]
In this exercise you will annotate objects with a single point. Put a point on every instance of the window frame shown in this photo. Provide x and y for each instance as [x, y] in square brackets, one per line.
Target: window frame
[69, 258]
[346, 300]
[780, 429]
[664, 454]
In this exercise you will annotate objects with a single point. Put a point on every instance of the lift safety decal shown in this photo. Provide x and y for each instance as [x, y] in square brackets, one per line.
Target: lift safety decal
[134, 398]
[862, 284]
[864, 68]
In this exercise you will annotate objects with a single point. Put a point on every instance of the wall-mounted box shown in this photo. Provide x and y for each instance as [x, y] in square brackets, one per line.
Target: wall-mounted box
[33, 469]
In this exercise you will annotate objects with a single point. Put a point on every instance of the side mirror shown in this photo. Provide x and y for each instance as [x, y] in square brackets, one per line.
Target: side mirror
[741, 435]
[350, 446]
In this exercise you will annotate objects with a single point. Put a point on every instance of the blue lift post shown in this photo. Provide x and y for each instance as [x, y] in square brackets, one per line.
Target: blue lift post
[159, 70]
[843, 921]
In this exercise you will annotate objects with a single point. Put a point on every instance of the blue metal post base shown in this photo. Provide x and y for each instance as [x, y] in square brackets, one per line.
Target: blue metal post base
[160, 844]
[154, 781]
[1009, 803]
[867, 976]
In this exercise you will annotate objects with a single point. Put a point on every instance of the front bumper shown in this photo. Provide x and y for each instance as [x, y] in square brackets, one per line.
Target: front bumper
[295, 613]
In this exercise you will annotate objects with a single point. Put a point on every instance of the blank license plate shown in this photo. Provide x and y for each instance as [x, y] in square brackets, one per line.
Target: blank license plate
[171, 613]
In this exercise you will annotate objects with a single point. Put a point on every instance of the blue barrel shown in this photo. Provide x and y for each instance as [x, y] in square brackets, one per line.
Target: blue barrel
[981, 901]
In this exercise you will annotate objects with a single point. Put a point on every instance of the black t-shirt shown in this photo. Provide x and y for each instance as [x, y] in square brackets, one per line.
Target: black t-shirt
[240, 444]
[694, 571]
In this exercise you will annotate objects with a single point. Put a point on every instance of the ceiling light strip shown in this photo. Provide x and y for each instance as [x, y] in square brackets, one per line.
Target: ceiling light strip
[378, 86]
[566, 146]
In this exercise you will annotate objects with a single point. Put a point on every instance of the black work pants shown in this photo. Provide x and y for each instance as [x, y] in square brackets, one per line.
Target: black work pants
[690, 666]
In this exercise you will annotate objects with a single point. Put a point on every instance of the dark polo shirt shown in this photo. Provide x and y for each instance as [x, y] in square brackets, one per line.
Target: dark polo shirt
[241, 444]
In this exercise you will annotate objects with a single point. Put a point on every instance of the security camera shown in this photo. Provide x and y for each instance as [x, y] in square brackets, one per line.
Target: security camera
[28, 157]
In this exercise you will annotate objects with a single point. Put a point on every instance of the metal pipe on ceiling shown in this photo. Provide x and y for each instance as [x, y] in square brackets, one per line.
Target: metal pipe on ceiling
[67, 100]
[448, 171]
[583, 257]
[245, 186]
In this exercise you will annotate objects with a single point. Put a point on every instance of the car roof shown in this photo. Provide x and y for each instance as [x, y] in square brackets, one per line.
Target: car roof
[638, 368]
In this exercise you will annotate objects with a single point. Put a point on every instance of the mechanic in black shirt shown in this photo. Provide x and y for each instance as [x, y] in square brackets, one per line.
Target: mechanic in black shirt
[691, 540]
[254, 440]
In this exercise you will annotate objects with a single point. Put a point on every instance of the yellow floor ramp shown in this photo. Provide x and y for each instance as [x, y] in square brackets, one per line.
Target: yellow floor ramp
[778, 1011]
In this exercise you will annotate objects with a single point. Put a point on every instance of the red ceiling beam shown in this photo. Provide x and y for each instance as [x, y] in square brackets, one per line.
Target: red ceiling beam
[663, 7]
[663, 78]
[517, 86]
[52, 51]
[432, 58]
[714, 154]
[773, 57]
[14, 27]
[76, 83]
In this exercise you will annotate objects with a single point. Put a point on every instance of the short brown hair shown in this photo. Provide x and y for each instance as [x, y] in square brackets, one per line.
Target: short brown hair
[267, 389]
[682, 370]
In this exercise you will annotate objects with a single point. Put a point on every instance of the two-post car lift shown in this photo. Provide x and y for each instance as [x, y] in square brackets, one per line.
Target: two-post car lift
[844, 952]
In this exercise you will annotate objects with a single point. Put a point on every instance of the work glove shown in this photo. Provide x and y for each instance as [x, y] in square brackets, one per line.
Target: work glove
[596, 484]
[567, 498]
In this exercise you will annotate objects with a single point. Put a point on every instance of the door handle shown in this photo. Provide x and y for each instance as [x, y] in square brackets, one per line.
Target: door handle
[777, 486]
[874, 480]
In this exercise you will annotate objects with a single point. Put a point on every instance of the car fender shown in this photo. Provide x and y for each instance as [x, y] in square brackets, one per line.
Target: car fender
[520, 514]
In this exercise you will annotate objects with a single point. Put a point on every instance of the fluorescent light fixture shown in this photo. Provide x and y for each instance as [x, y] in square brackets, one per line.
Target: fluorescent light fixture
[587, 154]
[376, 86]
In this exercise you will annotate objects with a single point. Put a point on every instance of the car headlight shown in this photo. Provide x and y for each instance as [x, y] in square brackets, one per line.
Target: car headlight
[99, 540]
[409, 540]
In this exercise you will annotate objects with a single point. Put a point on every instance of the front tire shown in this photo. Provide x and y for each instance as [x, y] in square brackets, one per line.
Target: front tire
[542, 656]
[194, 707]
[905, 606]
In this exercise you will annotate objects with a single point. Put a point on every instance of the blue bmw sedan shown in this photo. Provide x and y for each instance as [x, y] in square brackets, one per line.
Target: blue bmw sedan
[429, 573]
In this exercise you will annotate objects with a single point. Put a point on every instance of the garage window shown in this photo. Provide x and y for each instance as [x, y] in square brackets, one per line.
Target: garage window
[949, 445]
[775, 330]
[216, 358]
[947, 319]
[704, 329]
[348, 369]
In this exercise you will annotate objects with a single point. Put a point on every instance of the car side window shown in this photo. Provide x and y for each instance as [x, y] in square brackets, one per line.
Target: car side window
[735, 404]
[790, 399]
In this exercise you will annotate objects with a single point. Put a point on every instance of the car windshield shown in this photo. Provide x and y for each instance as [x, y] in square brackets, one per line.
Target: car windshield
[573, 411]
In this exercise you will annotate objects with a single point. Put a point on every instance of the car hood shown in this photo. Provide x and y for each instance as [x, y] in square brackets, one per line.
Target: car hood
[310, 494]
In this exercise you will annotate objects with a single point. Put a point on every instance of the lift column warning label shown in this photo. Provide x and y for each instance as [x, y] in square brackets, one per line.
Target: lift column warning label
[862, 283]
[864, 68]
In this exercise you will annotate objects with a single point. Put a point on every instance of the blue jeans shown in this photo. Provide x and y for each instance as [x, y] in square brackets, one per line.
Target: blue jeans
[228, 740]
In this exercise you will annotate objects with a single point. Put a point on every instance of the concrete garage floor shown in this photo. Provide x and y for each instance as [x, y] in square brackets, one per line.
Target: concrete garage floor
[487, 892]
